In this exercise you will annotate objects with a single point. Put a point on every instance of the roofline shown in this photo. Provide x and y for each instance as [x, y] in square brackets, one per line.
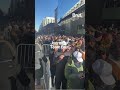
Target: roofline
[70, 15]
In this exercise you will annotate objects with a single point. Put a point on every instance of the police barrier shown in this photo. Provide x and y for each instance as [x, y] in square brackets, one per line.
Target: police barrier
[26, 59]
[46, 49]
[26, 55]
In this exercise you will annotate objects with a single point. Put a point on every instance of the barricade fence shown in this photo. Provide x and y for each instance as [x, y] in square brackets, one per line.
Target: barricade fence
[46, 49]
[26, 55]
[26, 58]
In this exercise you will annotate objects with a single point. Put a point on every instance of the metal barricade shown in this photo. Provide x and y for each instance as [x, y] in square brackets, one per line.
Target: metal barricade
[46, 49]
[26, 55]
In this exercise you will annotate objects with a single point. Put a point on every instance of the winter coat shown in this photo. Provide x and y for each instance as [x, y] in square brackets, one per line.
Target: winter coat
[60, 67]
[72, 75]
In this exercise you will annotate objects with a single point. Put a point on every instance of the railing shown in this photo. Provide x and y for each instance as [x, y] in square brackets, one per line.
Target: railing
[46, 49]
[26, 55]
[26, 60]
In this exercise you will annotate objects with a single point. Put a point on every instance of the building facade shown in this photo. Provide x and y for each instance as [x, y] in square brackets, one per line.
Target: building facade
[47, 20]
[74, 19]
[23, 8]
[47, 25]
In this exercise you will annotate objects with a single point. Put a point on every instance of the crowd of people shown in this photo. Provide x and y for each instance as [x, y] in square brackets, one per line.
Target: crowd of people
[84, 62]
[57, 41]
[19, 31]
[102, 46]
[67, 55]
[12, 34]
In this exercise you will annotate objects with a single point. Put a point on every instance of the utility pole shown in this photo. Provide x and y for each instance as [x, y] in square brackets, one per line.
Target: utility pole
[56, 15]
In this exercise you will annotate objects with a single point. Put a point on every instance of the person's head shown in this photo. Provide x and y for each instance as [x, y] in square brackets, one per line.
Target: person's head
[98, 36]
[77, 57]
[91, 32]
[77, 49]
[91, 41]
[104, 70]
[102, 54]
[107, 37]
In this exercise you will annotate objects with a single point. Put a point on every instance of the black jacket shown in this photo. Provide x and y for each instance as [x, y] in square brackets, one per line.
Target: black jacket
[60, 69]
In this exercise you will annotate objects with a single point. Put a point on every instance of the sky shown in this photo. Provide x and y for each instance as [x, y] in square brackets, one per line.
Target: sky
[44, 8]
[64, 6]
[4, 5]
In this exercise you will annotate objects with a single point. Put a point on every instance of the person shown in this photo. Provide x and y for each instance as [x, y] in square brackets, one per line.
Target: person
[60, 77]
[52, 66]
[115, 49]
[90, 32]
[38, 72]
[103, 77]
[98, 38]
[90, 54]
[106, 42]
[74, 72]
[29, 37]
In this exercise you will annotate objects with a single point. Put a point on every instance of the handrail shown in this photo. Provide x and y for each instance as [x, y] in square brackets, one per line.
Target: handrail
[46, 49]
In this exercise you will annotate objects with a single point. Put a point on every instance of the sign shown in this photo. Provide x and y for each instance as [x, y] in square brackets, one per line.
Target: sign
[62, 44]
[76, 16]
